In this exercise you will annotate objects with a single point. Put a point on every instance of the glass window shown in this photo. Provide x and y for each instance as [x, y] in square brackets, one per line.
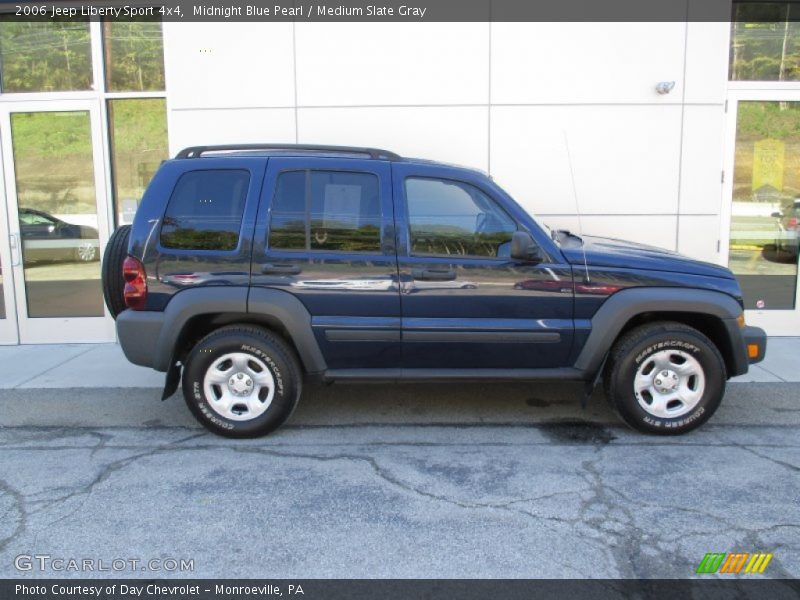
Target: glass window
[138, 131]
[766, 201]
[134, 55]
[326, 210]
[455, 218]
[57, 207]
[45, 56]
[28, 217]
[765, 41]
[2, 294]
[205, 210]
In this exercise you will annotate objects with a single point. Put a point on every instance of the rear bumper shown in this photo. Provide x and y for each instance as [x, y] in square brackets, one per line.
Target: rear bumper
[139, 333]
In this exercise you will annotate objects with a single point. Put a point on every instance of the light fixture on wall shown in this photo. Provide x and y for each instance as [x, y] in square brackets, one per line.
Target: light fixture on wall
[664, 87]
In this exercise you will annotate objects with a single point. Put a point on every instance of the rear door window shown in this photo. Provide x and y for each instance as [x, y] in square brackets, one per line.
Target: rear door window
[334, 211]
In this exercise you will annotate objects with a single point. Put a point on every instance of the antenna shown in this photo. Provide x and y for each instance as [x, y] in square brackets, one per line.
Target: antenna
[578, 209]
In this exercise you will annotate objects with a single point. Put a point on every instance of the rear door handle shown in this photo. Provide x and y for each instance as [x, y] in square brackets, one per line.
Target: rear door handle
[273, 269]
[434, 274]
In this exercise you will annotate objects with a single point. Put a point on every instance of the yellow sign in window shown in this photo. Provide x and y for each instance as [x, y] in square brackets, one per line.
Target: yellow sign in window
[768, 159]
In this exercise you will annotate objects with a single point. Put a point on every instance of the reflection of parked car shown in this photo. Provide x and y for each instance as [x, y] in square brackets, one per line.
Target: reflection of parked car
[787, 239]
[441, 285]
[210, 278]
[437, 279]
[44, 237]
[352, 285]
[598, 289]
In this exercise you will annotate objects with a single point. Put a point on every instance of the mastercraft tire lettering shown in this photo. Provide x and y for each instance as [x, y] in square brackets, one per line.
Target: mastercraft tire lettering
[665, 378]
[242, 381]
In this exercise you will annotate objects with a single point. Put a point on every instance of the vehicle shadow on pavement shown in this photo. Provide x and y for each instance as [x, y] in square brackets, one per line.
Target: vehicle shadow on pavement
[448, 403]
[408, 404]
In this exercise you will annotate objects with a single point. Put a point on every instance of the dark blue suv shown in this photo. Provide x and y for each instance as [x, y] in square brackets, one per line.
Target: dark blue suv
[249, 268]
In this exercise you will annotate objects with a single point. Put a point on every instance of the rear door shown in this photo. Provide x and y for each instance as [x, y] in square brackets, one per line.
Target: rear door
[325, 233]
[202, 236]
[466, 303]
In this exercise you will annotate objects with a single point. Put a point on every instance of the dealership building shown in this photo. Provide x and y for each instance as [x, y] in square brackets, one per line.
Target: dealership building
[681, 135]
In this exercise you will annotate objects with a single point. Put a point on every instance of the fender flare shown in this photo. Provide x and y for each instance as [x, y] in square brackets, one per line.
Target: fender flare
[264, 305]
[188, 304]
[619, 309]
[149, 338]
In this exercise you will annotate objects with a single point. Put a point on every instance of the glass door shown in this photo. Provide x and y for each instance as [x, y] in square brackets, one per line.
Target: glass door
[8, 255]
[57, 213]
[762, 232]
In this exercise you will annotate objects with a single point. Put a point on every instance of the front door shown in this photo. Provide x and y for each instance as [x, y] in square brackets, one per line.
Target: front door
[325, 235]
[9, 254]
[466, 303]
[762, 228]
[55, 194]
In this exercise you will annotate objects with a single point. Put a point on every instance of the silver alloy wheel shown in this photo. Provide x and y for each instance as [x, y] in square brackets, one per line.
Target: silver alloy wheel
[669, 383]
[239, 386]
[87, 251]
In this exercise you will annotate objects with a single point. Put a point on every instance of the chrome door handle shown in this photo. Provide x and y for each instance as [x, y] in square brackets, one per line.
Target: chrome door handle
[15, 249]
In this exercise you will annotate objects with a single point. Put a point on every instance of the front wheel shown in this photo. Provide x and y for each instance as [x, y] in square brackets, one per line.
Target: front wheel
[241, 381]
[665, 378]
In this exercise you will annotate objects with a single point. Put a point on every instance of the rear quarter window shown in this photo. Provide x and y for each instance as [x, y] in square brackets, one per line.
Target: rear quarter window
[205, 210]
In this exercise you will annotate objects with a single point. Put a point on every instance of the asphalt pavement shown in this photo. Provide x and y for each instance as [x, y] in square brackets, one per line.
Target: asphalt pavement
[429, 481]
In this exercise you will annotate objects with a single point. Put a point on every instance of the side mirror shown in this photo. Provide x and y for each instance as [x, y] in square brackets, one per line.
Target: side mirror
[524, 248]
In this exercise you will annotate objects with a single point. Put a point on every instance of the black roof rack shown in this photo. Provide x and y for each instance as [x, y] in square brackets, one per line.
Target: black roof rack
[373, 153]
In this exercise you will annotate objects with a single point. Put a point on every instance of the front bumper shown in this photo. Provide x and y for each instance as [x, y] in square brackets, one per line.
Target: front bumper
[747, 346]
[755, 343]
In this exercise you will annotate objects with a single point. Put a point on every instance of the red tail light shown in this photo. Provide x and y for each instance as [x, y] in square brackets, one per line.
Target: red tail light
[135, 292]
[792, 223]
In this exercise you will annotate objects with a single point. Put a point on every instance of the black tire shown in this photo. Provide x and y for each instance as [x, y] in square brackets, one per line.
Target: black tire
[632, 352]
[113, 257]
[265, 347]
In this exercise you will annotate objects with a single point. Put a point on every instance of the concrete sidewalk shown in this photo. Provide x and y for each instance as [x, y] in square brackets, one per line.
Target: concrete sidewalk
[105, 366]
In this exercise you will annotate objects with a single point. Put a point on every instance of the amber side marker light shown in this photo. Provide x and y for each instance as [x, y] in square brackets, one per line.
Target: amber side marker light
[740, 321]
[752, 350]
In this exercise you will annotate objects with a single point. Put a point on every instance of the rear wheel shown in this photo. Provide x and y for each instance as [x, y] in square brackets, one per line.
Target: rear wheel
[242, 381]
[113, 257]
[665, 378]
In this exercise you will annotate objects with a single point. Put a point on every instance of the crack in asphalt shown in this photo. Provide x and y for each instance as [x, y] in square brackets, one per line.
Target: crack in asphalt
[776, 461]
[84, 489]
[18, 503]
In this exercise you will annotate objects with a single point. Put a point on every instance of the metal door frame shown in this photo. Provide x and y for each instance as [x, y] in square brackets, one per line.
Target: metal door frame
[39, 330]
[775, 322]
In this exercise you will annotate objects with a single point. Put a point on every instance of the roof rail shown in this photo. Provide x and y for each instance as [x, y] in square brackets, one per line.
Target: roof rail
[373, 153]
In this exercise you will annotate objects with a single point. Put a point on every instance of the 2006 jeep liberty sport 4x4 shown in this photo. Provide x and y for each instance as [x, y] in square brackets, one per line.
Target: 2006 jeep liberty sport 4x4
[249, 268]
